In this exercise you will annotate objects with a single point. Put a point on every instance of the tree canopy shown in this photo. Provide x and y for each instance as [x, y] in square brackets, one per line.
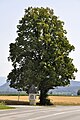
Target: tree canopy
[40, 53]
[78, 92]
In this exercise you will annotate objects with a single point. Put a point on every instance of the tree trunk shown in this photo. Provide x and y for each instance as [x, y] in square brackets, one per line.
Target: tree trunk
[43, 96]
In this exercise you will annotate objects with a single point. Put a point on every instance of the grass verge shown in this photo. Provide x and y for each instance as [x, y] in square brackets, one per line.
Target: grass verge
[3, 106]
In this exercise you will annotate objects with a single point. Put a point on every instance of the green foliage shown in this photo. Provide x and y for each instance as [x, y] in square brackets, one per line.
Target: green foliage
[13, 102]
[78, 92]
[40, 54]
[2, 103]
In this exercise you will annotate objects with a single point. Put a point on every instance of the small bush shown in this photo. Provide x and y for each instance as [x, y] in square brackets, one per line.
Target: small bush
[14, 102]
[2, 103]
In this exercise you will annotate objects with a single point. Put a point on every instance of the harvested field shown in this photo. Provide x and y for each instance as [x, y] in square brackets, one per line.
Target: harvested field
[65, 100]
[57, 100]
[16, 98]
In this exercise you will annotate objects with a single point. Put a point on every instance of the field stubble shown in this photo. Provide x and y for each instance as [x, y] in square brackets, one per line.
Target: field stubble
[57, 100]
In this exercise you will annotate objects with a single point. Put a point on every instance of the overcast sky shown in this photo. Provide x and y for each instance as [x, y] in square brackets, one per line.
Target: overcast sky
[11, 11]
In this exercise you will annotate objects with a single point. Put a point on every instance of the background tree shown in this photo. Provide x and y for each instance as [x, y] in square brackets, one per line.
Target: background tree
[40, 54]
[78, 92]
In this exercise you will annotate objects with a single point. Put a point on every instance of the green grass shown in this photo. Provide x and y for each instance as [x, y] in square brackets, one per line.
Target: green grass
[3, 106]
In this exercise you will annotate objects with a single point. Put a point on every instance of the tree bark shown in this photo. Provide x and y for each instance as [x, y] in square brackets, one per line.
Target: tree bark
[43, 96]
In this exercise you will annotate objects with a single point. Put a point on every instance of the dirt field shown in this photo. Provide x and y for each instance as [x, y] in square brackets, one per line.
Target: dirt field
[57, 100]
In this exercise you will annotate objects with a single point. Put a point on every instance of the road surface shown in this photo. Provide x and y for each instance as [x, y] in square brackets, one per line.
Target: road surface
[41, 113]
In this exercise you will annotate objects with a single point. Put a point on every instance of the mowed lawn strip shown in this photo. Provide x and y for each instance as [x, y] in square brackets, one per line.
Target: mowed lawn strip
[5, 107]
[2, 106]
[56, 100]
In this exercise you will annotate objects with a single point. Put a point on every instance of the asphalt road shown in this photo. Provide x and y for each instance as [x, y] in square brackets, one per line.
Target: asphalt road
[41, 113]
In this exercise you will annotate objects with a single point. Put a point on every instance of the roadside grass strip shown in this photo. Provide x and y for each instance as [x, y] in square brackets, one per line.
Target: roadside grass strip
[3, 106]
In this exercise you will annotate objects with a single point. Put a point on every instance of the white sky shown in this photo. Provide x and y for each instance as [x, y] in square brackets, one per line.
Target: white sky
[11, 11]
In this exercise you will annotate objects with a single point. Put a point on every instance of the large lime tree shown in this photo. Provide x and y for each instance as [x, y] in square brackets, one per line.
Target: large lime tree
[40, 53]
